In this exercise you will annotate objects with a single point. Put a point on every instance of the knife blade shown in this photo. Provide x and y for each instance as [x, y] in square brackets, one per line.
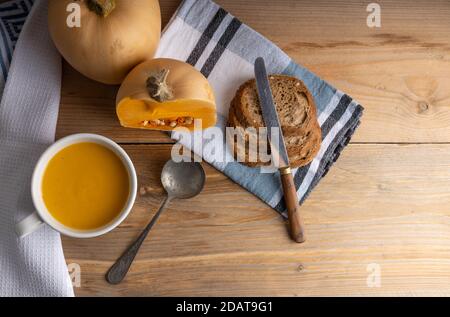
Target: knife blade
[270, 115]
[278, 149]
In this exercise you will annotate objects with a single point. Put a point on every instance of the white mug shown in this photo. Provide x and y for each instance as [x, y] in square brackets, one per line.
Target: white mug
[42, 215]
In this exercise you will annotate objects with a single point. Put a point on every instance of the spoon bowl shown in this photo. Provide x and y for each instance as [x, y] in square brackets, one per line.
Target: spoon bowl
[182, 180]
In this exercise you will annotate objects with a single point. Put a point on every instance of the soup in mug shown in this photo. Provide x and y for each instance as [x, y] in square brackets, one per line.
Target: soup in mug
[85, 186]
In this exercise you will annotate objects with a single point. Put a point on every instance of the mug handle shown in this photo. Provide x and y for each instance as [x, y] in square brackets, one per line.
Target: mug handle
[28, 225]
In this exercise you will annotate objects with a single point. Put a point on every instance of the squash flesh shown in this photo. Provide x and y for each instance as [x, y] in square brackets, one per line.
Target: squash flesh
[135, 113]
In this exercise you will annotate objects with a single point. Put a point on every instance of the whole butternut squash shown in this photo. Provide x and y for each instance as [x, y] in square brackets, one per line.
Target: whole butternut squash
[105, 39]
[164, 94]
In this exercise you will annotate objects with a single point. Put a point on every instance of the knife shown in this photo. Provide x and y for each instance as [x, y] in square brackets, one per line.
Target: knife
[278, 149]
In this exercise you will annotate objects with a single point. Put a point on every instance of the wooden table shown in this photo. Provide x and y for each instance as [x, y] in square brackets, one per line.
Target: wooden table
[384, 207]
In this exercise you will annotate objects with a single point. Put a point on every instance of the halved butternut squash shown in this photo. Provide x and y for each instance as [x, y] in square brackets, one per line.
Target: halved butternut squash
[163, 94]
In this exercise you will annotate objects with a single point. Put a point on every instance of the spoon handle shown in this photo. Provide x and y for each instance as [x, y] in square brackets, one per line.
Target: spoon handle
[119, 270]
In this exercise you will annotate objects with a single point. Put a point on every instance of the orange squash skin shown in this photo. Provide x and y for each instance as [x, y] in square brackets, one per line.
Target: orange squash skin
[105, 49]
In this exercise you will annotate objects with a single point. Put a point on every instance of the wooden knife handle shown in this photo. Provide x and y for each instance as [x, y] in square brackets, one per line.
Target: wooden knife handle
[293, 207]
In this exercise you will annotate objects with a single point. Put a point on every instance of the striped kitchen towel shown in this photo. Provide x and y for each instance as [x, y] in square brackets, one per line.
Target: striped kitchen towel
[12, 18]
[224, 50]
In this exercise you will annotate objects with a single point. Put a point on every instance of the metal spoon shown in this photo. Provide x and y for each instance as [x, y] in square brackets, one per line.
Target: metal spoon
[181, 181]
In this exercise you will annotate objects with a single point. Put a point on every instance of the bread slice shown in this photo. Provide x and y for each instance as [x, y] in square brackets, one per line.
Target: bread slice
[297, 114]
[295, 104]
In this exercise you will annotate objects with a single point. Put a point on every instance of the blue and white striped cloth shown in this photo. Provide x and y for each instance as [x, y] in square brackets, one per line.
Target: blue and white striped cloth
[224, 50]
[12, 18]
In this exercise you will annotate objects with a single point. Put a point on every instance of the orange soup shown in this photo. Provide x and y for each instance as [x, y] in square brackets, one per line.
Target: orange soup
[85, 186]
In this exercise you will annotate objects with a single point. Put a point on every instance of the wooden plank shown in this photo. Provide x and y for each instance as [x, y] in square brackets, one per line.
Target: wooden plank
[399, 72]
[385, 205]
[381, 204]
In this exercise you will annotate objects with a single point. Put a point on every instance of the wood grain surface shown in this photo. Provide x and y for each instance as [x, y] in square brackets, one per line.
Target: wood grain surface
[384, 207]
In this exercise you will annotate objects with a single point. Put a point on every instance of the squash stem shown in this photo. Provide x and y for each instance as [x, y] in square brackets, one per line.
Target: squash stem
[101, 7]
[157, 86]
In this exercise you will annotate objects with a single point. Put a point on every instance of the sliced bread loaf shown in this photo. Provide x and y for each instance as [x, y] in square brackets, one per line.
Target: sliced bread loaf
[296, 111]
